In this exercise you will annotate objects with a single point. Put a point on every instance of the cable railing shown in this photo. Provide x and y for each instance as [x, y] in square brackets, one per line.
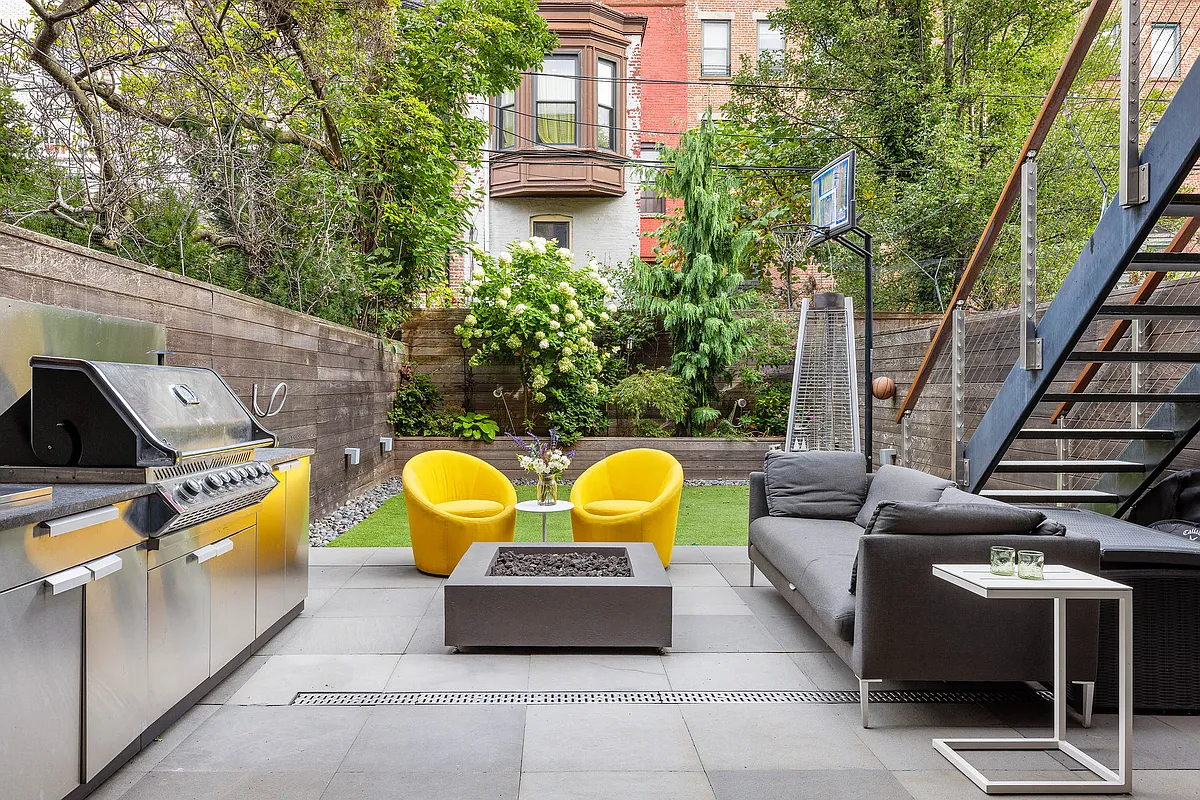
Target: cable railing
[1087, 128]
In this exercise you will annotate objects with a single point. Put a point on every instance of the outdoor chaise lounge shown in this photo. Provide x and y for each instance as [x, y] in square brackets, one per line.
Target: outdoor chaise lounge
[631, 496]
[455, 499]
[900, 622]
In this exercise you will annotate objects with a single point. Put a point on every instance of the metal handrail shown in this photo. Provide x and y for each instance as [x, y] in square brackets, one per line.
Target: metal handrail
[1093, 21]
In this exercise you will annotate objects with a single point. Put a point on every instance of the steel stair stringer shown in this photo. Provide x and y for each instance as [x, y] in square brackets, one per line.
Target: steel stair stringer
[1171, 151]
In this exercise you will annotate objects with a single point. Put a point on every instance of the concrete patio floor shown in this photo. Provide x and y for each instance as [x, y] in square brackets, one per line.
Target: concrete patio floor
[373, 623]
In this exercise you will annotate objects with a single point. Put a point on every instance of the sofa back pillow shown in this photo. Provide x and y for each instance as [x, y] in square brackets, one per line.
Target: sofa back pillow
[815, 485]
[1044, 527]
[900, 484]
[947, 519]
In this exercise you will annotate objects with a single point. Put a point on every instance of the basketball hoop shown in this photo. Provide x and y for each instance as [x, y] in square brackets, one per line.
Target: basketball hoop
[792, 240]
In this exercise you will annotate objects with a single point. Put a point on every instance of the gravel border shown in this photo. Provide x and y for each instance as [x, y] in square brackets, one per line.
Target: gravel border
[323, 531]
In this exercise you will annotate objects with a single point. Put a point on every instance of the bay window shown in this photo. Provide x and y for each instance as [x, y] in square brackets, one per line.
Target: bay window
[506, 114]
[556, 100]
[606, 105]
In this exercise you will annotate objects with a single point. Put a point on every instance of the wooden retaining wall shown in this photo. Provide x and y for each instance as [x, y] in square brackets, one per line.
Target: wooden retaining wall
[341, 381]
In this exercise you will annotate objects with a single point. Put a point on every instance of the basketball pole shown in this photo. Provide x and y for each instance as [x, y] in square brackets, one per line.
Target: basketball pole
[865, 251]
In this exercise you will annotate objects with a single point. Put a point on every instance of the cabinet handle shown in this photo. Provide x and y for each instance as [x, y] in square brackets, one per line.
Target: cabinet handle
[103, 567]
[85, 519]
[213, 550]
[285, 466]
[68, 579]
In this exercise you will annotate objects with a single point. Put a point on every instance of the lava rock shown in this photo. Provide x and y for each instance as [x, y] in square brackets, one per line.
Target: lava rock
[561, 565]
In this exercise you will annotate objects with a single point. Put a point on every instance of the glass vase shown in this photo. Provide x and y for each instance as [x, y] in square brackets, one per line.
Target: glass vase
[547, 490]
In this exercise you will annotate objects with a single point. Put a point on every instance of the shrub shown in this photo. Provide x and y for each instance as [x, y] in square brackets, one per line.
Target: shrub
[769, 413]
[413, 410]
[651, 389]
[533, 307]
[478, 427]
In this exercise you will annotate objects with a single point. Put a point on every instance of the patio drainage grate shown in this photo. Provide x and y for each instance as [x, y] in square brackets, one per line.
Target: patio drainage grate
[653, 698]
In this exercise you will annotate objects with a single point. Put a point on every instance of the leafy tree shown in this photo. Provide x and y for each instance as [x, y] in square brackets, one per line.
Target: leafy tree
[696, 285]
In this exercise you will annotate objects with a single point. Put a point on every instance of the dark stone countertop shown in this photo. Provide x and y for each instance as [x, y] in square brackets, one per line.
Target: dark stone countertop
[68, 499]
[277, 455]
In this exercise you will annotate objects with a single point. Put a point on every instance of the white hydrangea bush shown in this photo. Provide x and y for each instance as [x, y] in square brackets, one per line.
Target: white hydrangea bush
[533, 306]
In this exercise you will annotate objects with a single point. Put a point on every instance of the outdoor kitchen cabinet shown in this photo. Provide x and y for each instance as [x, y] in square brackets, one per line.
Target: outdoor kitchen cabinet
[283, 544]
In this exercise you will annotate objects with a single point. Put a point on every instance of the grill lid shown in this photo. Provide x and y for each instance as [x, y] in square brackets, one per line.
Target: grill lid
[107, 414]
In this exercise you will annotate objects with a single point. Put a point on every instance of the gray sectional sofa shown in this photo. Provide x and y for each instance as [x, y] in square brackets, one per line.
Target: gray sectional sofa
[809, 514]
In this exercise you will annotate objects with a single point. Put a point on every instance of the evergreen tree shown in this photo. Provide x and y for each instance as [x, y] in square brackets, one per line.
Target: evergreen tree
[696, 285]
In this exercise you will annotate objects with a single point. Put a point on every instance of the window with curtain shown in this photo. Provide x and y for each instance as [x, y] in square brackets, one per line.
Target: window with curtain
[1164, 50]
[556, 97]
[714, 48]
[558, 228]
[651, 201]
[606, 104]
[770, 39]
[506, 120]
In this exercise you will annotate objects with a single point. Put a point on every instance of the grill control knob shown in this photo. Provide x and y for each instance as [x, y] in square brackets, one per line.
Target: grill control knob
[232, 476]
[244, 472]
[213, 482]
[264, 470]
[190, 488]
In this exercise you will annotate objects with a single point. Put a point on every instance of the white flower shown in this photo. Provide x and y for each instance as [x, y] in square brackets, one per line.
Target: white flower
[567, 351]
[563, 286]
[609, 291]
[540, 334]
[573, 304]
[554, 325]
[570, 318]
[590, 324]
[469, 320]
[593, 387]
[594, 265]
[565, 365]
[553, 308]
[539, 245]
[539, 381]
[612, 307]
[604, 316]
[458, 330]
[564, 254]
[468, 290]
[519, 309]
[616, 349]
[505, 258]
[581, 329]
[514, 342]
[526, 246]
[478, 271]
[476, 284]
[501, 302]
[540, 397]
[505, 292]
[544, 344]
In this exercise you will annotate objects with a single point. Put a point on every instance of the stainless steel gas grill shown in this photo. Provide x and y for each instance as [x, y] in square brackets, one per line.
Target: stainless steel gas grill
[181, 429]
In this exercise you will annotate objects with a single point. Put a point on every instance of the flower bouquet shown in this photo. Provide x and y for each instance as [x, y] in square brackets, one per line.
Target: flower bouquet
[546, 459]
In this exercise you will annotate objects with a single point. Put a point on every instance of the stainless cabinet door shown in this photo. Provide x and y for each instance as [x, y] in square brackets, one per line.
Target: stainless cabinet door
[41, 664]
[296, 480]
[271, 597]
[232, 582]
[178, 630]
[115, 643]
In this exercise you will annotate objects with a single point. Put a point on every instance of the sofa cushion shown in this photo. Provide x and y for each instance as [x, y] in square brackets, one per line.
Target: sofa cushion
[815, 485]
[900, 484]
[953, 518]
[472, 509]
[815, 556]
[1044, 527]
[615, 508]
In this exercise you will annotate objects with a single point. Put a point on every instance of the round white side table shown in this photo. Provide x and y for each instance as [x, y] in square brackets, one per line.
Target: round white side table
[533, 507]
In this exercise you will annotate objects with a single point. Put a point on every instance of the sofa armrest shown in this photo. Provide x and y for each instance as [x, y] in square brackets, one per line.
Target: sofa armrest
[758, 495]
[910, 625]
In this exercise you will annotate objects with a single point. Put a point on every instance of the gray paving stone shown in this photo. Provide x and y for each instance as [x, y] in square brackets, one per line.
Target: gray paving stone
[330, 577]
[720, 600]
[1166, 784]
[714, 633]
[230, 786]
[1157, 745]
[391, 556]
[437, 604]
[316, 598]
[726, 554]
[377, 603]
[826, 671]
[251, 738]
[695, 575]
[718, 672]
[279, 680]
[460, 672]
[410, 786]
[348, 636]
[392, 577]
[765, 601]
[430, 637]
[171, 738]
[615, 785]
[234, 682]
[339, 556]
[597, 738]
[562, 672]
[439, 739]
[739, 575]
[810, 784]
[791, 631]
[756, 736]
[687, 554]
[953, 785]
[117, 786]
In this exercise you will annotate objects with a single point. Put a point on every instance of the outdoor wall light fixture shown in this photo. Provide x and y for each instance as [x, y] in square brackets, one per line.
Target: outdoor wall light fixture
[352, 456]
[385, 444]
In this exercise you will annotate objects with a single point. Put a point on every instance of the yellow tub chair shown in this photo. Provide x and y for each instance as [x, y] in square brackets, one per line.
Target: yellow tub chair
[632, 496]
[453, 500]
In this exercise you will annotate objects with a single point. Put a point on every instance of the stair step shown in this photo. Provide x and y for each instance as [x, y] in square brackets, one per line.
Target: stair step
[1119, 397]
[1184, 205]
[1140, 311]
[1142, 357]
[1069, 465]
[1050, 496]
[1164, 262]
[1094, 433]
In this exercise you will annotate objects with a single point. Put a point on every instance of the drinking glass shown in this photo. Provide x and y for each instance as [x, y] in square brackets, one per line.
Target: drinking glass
[1003, 560]
[1030, 564]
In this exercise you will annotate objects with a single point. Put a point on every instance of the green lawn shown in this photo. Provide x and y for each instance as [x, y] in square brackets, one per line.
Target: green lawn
[707, 515]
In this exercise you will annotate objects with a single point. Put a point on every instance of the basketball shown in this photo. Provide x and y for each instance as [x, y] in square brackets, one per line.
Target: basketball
[883, 387]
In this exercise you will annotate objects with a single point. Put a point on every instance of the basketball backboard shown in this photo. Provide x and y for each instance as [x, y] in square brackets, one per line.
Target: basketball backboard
[832, 202]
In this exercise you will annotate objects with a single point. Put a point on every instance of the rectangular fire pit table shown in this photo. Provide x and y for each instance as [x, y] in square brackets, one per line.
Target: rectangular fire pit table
[488, 610]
